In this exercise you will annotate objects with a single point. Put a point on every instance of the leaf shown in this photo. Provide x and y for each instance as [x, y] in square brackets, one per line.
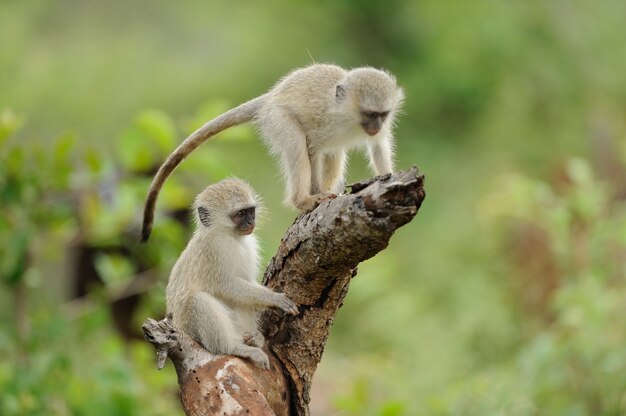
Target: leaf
[9, 124]
[15, 161]
[157, 126]
[64, 144]
[176, 196]
[19, 253]
[114, 268]
[392, 408]
[134, 152]
[150, 139]
[93, 161]
[62, 164]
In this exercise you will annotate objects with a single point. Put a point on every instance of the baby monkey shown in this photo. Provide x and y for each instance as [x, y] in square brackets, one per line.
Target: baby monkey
[212, 291]
[309, 120]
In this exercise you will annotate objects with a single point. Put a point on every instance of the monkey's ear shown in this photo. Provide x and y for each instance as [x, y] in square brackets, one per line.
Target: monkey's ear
[340, 92]
[205, 217]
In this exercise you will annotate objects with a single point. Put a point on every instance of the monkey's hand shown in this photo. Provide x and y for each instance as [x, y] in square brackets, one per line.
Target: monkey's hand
[253, 339]
[281, 301]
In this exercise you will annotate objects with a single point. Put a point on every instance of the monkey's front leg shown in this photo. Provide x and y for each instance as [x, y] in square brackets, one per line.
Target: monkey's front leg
[381, 156]
[253, 295]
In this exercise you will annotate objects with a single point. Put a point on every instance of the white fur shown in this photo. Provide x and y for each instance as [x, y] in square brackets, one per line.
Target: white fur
[212, 291]
[310, 131]
[308, 120]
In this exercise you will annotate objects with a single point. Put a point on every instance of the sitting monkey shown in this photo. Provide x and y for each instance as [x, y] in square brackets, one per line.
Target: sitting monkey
[212, 291]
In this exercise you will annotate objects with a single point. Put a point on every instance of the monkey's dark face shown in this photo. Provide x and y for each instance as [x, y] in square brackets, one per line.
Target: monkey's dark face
[244, 220]
[372, 121]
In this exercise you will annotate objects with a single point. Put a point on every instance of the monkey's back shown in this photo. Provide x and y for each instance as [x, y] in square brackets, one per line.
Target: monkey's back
[307, 93]
[184, 281]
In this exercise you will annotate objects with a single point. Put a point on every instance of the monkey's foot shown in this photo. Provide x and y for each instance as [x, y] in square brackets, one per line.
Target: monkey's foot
[260, 359]
[253, 339]
[257, 355]
[312, 202]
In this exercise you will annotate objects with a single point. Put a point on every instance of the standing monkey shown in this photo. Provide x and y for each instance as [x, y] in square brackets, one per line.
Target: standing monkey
[309, 120]
[212, 291]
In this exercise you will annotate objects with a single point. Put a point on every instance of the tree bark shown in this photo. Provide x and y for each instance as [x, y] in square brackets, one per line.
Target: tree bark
[315, 261]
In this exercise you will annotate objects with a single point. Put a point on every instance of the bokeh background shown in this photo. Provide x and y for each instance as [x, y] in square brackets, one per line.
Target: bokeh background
[505, 296]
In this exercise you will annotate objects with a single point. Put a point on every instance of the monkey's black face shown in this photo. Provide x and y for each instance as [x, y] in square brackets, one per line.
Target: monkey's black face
[372, 121]
[244, 220]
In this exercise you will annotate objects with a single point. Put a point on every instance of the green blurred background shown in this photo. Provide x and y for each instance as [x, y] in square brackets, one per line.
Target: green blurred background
[505, 296]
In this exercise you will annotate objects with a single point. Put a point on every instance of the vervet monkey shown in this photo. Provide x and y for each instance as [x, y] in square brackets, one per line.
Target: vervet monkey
[309, 120]
[212, 291]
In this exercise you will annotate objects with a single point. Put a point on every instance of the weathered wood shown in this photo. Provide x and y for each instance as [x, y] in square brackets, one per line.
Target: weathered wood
[315, 261]
[217, 384]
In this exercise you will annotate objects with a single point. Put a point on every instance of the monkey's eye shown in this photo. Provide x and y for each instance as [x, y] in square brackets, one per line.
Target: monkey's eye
[241, 213]
[384, 114]
[370, 114]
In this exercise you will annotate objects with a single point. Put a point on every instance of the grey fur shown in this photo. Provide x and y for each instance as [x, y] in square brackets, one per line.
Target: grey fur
[212, 291]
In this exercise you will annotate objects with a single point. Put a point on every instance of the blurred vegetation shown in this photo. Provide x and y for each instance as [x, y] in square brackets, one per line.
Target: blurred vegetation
[505, 296]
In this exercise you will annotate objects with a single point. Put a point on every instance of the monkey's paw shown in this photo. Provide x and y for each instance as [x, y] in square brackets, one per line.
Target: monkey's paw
[326, 195]
[312, 202]
[286, 304]
[253, 339]
[260, 358]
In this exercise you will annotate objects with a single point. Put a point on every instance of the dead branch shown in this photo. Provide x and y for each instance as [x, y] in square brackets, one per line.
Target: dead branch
[315, 261]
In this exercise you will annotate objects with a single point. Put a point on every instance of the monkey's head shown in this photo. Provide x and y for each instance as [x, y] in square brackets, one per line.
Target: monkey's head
[227, 205]
[372, 96]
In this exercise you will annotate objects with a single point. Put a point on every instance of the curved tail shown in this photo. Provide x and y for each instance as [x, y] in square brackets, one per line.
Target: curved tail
[238, 115]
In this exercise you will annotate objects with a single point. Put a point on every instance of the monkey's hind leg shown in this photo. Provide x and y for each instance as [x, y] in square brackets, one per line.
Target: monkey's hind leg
[320, 188]
[286, 139]
[248, 321]
[211, 323]
[254, 338]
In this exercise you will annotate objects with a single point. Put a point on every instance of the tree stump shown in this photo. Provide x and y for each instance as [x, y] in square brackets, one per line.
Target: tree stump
[315, 261]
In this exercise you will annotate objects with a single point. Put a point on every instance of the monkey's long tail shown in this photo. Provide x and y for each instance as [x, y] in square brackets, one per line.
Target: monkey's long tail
[238, 115]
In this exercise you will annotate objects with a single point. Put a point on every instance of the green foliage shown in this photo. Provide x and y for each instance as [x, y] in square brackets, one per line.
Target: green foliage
[576, 365]
[32, 190]
[49, 375]
[9, 123]
[361, 401]
[45, 198]
[151, 138]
